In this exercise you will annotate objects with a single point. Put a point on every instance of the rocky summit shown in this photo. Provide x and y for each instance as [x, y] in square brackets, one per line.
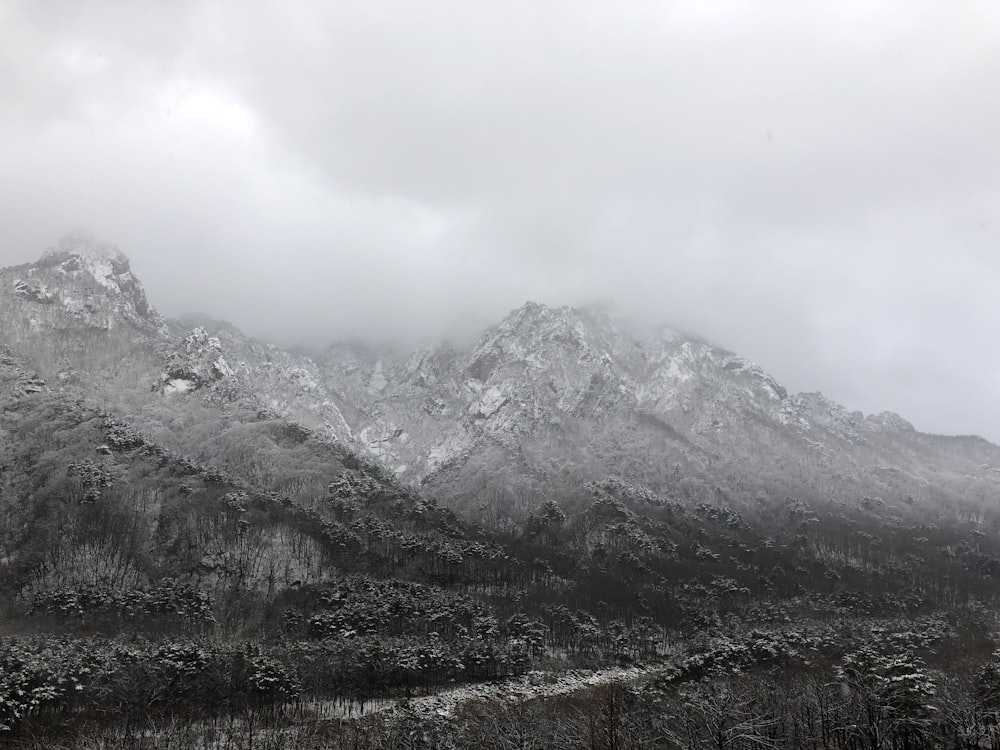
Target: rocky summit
[80, 283]
[552, 397]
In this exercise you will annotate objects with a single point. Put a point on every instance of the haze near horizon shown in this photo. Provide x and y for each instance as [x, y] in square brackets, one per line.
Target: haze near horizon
[812, 187]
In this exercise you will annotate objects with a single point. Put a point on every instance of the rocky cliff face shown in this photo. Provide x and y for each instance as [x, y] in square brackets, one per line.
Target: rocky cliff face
[219, 356]
[544, 403]
[197, 362]
[552, 398]
[82, 313]
[78, 284]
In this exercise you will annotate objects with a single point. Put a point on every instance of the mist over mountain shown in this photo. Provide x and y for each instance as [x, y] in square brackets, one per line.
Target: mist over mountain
[803, 185]
[196, 522]
[499, 375]
[546, 398]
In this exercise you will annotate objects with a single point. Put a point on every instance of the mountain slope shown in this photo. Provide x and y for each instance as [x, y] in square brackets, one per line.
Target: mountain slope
[82, 317]
[541, 404]
[552, 398]
[117, 474]
[627, 494]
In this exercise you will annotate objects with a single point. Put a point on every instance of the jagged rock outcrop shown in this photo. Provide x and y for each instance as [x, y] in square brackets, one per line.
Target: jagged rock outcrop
[16, 377]
[197, 362]
[80, 309]
[33, 292]
[552, 398]
[78, 284]
[218, 355]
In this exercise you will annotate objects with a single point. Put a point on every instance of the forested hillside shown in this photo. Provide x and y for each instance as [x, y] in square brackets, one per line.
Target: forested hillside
[204, 537]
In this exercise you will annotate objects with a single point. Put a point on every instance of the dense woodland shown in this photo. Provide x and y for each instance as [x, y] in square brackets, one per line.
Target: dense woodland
[267, 570]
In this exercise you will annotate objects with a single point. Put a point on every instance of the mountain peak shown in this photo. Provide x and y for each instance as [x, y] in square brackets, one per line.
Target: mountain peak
[105, 262]
[77, 284]
[536, 317]
[81, 271]
[532, 311]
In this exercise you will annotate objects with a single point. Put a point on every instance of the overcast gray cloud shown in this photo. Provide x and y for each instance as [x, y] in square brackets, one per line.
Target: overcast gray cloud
[814, 185]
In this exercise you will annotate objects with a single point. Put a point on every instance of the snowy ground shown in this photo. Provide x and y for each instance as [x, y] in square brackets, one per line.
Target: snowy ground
[532, 685]
[527, 687]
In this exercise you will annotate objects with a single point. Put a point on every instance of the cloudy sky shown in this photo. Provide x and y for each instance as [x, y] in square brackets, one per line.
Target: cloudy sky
[814, 185]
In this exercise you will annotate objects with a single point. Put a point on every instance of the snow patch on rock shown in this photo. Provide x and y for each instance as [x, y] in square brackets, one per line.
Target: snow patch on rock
[32, 292]
[94, 284]
[178, 385]
[197, 362]
[488, 404]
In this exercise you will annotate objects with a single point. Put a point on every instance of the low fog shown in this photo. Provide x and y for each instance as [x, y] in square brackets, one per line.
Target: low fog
[812, 185]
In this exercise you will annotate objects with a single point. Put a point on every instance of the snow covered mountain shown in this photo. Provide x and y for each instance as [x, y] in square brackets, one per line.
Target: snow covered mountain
[78, 284]
[553, 398]
[81, 314]
[630, 494]
[544, 403]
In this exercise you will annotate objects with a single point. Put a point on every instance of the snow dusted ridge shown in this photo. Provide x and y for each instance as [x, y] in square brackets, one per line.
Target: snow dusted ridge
[547, 399]
[537, 369]
[579, 393]
[83, 287]
[90, 283]
[106, 264]
[273, 379]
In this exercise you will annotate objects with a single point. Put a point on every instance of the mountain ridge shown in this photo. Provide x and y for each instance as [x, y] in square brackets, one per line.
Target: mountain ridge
[546, 399]
[244, 527]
